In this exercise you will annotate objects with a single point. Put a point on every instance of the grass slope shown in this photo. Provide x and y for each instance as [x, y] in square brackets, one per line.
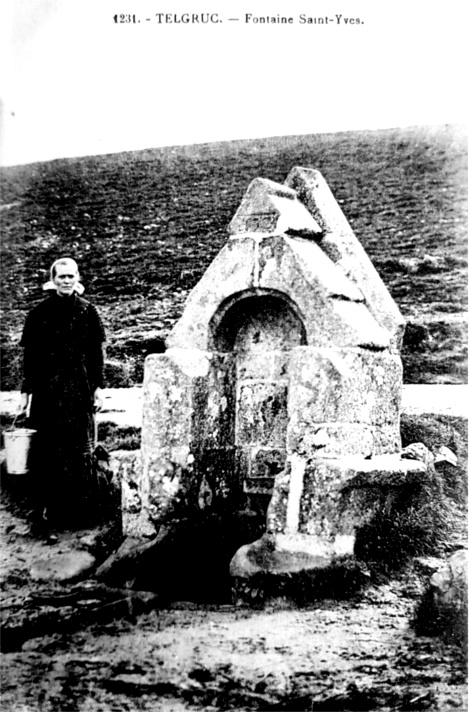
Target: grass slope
[145, 225]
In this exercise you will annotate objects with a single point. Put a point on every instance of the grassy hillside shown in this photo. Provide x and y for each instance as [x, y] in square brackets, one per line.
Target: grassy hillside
[145, 225]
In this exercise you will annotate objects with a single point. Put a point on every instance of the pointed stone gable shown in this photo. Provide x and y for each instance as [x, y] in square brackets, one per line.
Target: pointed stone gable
[305, 250]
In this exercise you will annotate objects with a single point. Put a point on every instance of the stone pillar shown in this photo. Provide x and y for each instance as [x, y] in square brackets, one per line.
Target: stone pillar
[169, 395]
[341, 403]
[187, 437]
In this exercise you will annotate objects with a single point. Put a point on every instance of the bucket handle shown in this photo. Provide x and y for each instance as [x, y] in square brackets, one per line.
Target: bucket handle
[12, 426]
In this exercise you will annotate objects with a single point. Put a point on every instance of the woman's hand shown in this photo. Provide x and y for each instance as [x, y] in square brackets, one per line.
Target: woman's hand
[24, 402]
[98, 399]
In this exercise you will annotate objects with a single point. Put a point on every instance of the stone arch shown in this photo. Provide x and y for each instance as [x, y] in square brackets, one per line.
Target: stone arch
[257, 320]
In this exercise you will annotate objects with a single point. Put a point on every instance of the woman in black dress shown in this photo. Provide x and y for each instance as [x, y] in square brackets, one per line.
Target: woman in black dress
[63, 375]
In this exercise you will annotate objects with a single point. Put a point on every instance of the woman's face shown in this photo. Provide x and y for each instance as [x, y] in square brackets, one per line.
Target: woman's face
[66, 278]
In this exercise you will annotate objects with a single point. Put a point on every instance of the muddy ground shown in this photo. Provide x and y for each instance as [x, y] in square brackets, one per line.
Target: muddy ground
[85, 645]
[359, 653]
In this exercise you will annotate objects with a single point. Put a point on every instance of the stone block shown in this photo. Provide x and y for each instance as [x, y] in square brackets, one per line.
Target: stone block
[444, 456]
[340, 495]
[343, 248]
[275, 555]
[443, 608]
[261, 414]
[172, 485]
[267, 462]
[387, 439]
[173, 383]
[319, 514]
[168, 400]
[128, 470]
[343, 401]
[418, 451]
[214, 404]
[300, 269]
[345, 385]
[324, 500]
[266, 365]
[448, 588]
[329, 439]
[269, 207]
[382, 472]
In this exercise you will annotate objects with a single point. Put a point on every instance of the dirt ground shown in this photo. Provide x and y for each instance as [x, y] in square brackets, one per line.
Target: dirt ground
[356, 654]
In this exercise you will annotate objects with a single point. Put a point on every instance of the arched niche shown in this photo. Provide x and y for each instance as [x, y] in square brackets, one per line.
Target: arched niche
[258, 329]
[257, 320]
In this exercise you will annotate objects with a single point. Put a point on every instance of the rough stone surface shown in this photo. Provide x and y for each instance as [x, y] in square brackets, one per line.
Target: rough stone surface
[327, 499]
[449, 584]
[125, 467]
[262, 414]
[127, 470]
[63, 567]
[443, 609]
[341, 245]
[286, 352]
[294, 270]
[231, 272]
[215, 398]
[418, 451]
[270, 555]
[271, 208]
[168, 429]
[340, 397]
[445, 456]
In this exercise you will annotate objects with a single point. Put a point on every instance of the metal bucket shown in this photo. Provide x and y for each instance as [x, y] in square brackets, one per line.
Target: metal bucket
[17, 448]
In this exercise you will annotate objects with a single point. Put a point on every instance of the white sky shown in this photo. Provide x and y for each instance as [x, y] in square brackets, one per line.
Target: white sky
[76, 83]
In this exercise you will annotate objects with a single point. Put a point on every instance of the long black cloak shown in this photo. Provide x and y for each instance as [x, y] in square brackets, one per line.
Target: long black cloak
[63, 365]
